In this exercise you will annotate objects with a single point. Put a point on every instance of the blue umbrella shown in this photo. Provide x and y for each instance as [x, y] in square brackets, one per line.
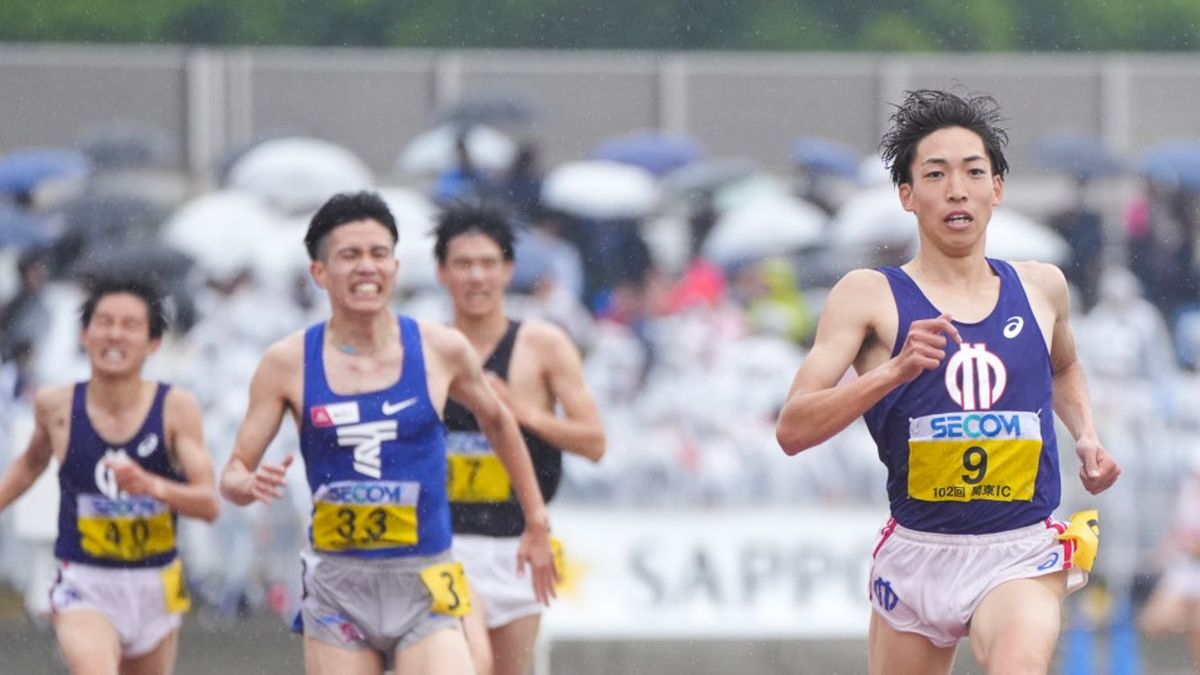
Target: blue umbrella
[1172, 162]
[20, 228]
[826, 157]
[658, 152]
[23, 170]
[1080, 155]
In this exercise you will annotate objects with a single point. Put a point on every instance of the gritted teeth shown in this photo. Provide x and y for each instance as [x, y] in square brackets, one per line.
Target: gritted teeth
[366, 287]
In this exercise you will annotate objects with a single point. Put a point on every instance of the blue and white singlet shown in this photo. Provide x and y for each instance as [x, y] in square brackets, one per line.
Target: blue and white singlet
[376, 462]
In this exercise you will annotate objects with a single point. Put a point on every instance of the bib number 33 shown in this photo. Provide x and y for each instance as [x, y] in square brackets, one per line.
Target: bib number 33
[447, 584]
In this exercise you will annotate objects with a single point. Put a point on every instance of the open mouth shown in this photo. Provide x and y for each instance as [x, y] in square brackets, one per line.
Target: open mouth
[959, 219]
[366, 289]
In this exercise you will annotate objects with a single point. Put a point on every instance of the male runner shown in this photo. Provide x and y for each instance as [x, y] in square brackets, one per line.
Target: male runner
[366, 389]
[131, 456]
[961, 362]
[534, 367]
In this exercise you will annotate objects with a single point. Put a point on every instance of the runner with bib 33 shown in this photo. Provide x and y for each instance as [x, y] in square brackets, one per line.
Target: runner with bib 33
[366, 389]
[962, 361]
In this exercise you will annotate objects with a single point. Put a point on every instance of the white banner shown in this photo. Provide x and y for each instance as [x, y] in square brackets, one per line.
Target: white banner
[729, 573]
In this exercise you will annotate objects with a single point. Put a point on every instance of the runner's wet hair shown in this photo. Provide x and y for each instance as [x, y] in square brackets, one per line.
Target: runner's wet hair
[97, 289]
[464, 218]
[925, 111]
[343, 208]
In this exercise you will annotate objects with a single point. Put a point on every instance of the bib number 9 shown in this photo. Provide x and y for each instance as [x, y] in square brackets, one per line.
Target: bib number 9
[975, 460]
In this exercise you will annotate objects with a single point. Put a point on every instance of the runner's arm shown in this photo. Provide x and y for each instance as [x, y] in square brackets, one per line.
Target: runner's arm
[579, 430]
[22, 473]
[1098, 470]
[196, 497]
[470, 389]
[818, 407]
[243, 480]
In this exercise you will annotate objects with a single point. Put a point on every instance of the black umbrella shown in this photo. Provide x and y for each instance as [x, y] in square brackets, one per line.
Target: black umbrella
[129, 146]
[498, 108]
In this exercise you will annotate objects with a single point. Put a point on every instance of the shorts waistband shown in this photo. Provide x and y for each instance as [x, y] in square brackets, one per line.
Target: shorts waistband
[971, 539]
[413, 563]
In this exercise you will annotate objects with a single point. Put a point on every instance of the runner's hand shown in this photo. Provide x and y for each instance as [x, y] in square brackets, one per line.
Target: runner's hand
[535, 552]
[925, 346]
[1098, 470]
[130, 475]
[269, 480]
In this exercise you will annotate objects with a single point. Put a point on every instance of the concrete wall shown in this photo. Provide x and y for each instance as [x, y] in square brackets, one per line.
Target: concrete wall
[738, 104]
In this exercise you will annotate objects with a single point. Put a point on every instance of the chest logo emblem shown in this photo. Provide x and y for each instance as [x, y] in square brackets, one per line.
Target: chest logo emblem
[975, 377]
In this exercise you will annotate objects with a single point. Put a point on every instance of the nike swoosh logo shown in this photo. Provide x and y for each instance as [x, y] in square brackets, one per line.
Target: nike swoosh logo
[393, 408]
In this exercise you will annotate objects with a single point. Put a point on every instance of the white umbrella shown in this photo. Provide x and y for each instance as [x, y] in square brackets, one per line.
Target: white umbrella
[415, 217]
[1014, 236]
[222, 231]
[768, 226]
[600, 189]
[874, 217]
[436, 151]
[297, 175]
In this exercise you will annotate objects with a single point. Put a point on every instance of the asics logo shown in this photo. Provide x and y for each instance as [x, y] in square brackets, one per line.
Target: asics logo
[147, 446]
[390, 408]
[1012, 327]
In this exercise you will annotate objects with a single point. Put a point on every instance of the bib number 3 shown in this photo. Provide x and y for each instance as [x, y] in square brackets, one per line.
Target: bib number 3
[447, 584]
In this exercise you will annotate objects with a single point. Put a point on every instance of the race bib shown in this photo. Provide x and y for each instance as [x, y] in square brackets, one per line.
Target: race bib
[447, 584]
[1084, 530]
[130, 529]
[963, 457]
[175, 590]
[356, 516]
[474, 473]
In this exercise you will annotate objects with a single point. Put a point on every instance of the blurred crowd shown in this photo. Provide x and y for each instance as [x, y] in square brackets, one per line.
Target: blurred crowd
[691, 284]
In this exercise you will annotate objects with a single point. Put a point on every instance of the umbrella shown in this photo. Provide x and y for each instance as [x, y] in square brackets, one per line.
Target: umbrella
[707, 176]
[126, 145]
[234, 154]
[23, 170]
[20, 228]
[416, 217]
[223, 231]
[1014, 236]
[773, 225]
[825, 157]
[874, 217]
[161, 265]
[436, 151]
[600, 189]
[655, 151]
[1172, 162]
[297, 175]
[1079, 155]
[497, 108]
